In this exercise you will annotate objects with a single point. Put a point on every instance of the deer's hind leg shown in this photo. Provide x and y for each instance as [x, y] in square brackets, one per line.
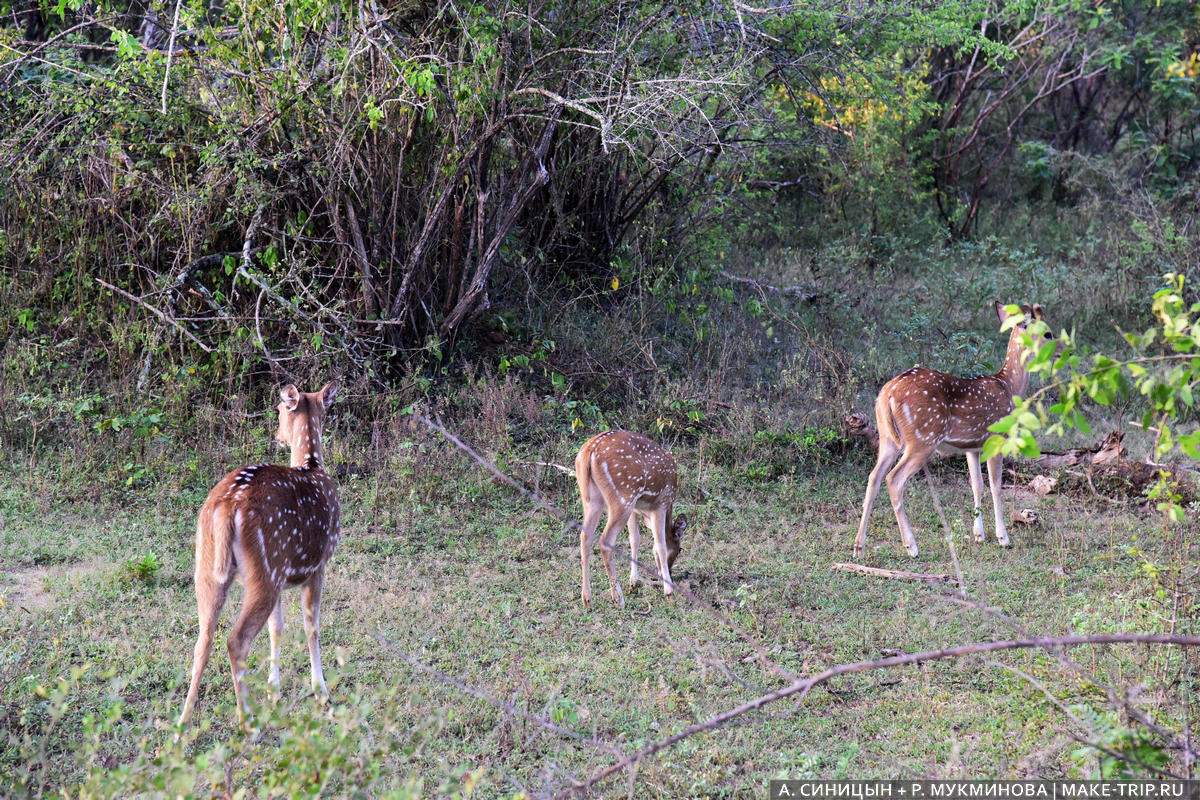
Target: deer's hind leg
[889, 451]
[634, 540]
[593, 504]
[617, 518]
[310, 603]
[210, 599]
[258, 604]
[913, 459]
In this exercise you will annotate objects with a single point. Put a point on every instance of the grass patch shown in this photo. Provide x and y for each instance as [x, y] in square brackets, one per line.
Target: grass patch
[446, 568]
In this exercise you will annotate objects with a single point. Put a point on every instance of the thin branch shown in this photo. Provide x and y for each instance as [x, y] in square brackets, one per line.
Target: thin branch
[170, 54]
[894, 573]
[156, 312]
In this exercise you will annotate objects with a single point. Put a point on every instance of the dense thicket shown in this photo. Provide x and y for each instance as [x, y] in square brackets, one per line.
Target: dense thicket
[222, 189]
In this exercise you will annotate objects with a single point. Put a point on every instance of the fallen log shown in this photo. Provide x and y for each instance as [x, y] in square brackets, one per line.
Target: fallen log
[1104, 471]
[1108, 451]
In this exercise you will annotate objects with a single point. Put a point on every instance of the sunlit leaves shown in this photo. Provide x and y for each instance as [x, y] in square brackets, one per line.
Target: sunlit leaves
[1165, 378]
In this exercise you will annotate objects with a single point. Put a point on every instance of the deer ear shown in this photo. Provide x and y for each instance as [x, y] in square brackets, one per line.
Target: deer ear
[290, 396]
[1026, 310]
[329, 392]
[1000, 311]
[1037, 311]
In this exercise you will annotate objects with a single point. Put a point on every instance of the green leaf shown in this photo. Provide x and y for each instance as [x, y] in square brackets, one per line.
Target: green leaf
[1003, 426]
[991, 447]
[1190, 444]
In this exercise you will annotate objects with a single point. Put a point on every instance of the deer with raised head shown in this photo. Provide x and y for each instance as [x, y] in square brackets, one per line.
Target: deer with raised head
[922, 411]
[269, 527]
[634, 478]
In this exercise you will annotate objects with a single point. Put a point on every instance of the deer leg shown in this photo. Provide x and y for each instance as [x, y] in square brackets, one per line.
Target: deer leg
[912, 460]
[995, 467]
[634, 540]
[275, 629]
[976, 492]
[658, 524]
[587, 534]
[210, 598]
[617, 518]
[310, 601]
[888, 452]
[257, 606]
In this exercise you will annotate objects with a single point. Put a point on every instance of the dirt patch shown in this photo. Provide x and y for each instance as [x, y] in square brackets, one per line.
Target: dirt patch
[27, 588]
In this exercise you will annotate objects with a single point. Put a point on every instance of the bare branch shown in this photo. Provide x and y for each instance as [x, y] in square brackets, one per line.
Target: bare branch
[156, 312]
[803, 687]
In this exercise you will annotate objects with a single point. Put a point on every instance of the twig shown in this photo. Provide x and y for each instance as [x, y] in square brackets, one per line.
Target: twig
[937, 506]
[156, 312]
[565, 470]
[1133, 711]
[437, 426]
[1088, 476]
[898, 574]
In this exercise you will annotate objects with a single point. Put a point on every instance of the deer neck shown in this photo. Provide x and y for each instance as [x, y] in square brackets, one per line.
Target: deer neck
[1013, 373]
[306, 450]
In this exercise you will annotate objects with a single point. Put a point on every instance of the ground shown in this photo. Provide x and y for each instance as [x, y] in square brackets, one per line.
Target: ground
[451, 581]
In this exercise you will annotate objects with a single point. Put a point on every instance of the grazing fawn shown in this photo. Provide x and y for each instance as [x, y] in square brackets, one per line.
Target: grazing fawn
[922, 411]
[635, 479]
[268, 527]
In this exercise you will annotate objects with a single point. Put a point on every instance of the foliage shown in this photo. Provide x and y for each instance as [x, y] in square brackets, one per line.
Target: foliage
[1123, 753]
[1164, 370]
[142, 569]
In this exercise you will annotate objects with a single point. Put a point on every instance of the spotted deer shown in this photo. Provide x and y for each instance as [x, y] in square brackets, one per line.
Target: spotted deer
[268, 527]
[635, 479]
[921, 411]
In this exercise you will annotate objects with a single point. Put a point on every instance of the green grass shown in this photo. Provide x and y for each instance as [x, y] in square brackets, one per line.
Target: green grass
[440, 564]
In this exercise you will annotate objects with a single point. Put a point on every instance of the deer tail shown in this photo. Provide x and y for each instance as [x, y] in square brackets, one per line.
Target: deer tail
[885, 420]
[215, 531]
[583, 469]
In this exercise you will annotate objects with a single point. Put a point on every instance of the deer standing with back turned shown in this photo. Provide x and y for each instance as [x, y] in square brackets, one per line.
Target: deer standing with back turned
[922, 411]
[635, 479]
[269, 527]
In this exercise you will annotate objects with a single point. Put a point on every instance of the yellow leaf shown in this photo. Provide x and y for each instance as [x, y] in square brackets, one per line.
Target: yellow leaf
[616, 283]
